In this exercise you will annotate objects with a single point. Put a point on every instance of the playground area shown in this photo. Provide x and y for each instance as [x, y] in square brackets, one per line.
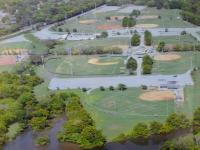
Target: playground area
[86, 65]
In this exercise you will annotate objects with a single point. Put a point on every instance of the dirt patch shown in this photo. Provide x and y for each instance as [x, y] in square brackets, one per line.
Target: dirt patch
[89, 21]
[95, 61]
[16, 51]
[167, 57]
[146, 26]
[148, 17]
[109, 104]
[155, 95]
[117, 17]
[109, 27]
[123, 47]
[7, 60]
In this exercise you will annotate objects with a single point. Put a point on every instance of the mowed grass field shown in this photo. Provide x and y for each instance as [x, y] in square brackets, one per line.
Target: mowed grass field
[79, 66]
[15, 45]
[192, 95]
[100, 20]
[117, 112]
[179, 66]
[108, 42]
[182, 39]
[169, 18]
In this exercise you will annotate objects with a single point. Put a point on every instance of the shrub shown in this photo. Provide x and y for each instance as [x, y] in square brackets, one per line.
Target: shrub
[75, 30]
[42, 141]
[148, 38]
[135, 40]
[60, 30]
[111, 88]
[183, 33]
[102, 88]
[104, 35]
[147, 64]
[144, 87]
[122, 87]
[84, 89]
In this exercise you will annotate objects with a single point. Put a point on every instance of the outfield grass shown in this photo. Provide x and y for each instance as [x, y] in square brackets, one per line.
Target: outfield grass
[192, 95]
[101, 20]
[79, 66]
[177, 66]
[168, 18]
[15, 45]
[182, 39]
[108, 42]
[117, 112]
[7, 68]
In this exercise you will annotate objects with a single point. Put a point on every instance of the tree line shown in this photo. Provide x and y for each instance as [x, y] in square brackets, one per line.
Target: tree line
[159, 132]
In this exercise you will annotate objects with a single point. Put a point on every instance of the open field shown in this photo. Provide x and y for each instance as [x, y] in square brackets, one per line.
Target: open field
[85, 65]
[177, 66]
[118, 111]
[182, 39]
[82, 25]
[169, 18]
[192, 95]
[15, 45]
[112, 42]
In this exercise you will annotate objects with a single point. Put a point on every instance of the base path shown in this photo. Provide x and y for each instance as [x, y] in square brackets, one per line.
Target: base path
[129, 81]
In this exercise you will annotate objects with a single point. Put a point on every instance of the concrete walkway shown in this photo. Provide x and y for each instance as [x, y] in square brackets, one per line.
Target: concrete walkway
[130, 81]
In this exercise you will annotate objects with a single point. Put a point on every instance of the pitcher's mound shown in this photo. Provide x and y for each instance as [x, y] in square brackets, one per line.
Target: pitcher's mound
[89, 21]
[146, 26]
[95, 61]
[167, 57]
[109, 27]
[158, 95]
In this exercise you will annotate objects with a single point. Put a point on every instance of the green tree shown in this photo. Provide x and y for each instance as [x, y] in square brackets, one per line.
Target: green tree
[140, 131]
[178, 121]
[131, 65]
[91, 138]
[155, 128]
[196, 121]
[38, 123]
[125, 22]
[148, 38]
[135, 40]
[161, 46]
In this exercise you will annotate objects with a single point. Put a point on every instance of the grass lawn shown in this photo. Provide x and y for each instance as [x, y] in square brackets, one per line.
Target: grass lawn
[101, 20]
[116, 112]
[108, 42]
[175, 39]
[192, 95]
[177, 66]
[168, 18]
[79, 66]
[15, 45]
[7, 68]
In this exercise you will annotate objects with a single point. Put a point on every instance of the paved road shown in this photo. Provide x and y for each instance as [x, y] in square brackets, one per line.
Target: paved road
[154, 31]
[130, 81]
